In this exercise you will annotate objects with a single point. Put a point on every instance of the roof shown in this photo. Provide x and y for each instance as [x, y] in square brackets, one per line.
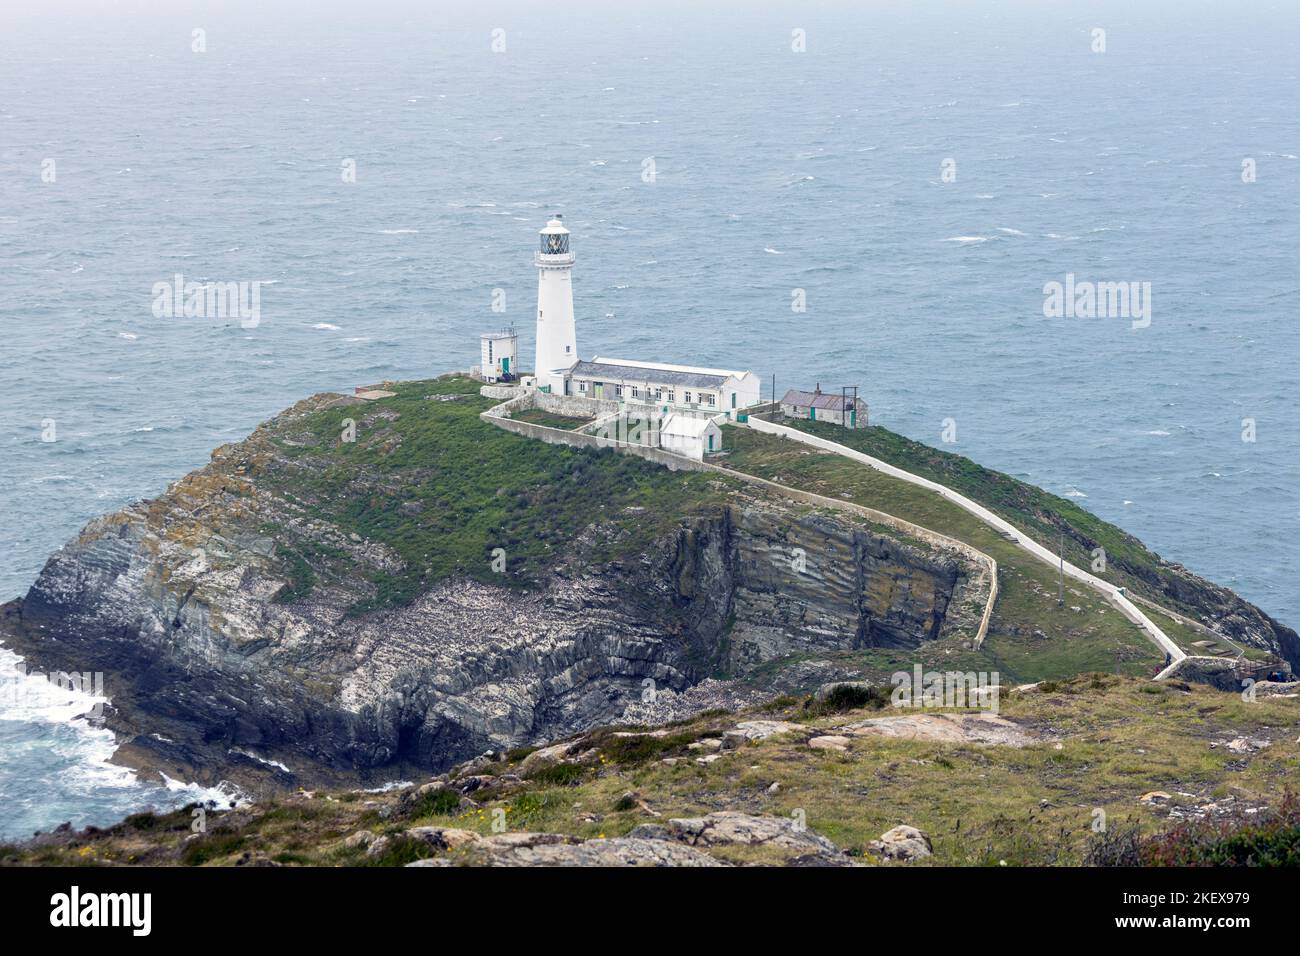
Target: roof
[686, 425]
[620, 370]
[499, 335]
[724, 372]
[814, 400]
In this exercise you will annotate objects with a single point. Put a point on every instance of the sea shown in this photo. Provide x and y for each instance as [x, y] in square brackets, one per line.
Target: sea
[838, 193]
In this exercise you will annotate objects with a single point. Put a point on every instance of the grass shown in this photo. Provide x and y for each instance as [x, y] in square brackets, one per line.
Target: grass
[443, 490]
[1030, 635]
[537, 416]
[1103, 742]
[1044, 516]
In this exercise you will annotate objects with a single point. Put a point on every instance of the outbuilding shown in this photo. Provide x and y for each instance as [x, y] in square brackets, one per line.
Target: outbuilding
[821, 407]
[689, 435]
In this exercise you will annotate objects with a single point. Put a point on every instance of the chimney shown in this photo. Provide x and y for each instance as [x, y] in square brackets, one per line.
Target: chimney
[818, 389]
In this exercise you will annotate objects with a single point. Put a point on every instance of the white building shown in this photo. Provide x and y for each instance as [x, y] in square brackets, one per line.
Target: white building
[557, 344]
[672, 388]
[690, 435]
[500, 352]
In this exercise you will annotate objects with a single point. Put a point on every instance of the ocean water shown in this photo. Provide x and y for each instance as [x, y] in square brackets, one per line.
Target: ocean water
[774, 170]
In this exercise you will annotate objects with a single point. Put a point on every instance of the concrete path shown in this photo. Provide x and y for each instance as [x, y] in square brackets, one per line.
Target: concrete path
[1110, 591]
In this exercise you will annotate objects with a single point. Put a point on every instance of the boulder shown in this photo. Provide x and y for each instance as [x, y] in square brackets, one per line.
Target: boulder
[555, 849]
[730, 828]
[830, 742]
[748, 731]
[360, 838]
[902, 843]
[545, 757]
[444, 838]
[980, 728]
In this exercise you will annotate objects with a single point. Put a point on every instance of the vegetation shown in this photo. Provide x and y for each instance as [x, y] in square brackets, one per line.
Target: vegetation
[537, 416]
[1267, 838]
[1043, 515]
[1101, 743]
[428, 479]
[1031, 636]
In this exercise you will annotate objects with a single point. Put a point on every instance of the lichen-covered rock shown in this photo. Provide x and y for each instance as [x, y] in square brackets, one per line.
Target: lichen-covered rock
[981, 728]
[730, 828]
[902, 843]
[553, 849]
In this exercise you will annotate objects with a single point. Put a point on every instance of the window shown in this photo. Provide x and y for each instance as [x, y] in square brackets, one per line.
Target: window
[618, 391]
[659, 393]
[710, 399]
[555, 244]
[582, 386]
[636, 392]
[688, 398]
[489, 350]
[568, 349]
[670, 396]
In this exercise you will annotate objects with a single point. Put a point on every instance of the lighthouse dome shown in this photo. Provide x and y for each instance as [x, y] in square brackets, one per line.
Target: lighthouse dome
[555, 238]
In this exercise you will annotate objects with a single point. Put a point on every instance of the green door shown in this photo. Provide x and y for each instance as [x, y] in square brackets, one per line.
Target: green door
[710, 443]
[812, 414]
[505, 366]
[853, 418]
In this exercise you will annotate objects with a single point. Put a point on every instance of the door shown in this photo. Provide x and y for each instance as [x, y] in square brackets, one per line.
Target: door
[505, 366]
[812, 414]
[598, 389]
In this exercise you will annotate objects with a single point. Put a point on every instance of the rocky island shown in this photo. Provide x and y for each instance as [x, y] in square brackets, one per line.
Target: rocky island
[391, 588]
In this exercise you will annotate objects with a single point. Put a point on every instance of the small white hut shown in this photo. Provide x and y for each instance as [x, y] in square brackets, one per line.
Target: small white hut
[500, 351]
[690, 435]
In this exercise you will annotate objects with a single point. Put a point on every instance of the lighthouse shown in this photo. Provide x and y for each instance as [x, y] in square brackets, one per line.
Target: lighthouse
[557, 345]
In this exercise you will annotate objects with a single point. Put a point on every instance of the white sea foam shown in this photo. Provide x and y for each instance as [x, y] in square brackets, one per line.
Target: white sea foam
[262, 760]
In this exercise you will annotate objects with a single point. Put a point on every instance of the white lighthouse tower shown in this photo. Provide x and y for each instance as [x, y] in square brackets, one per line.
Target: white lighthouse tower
[557, 344]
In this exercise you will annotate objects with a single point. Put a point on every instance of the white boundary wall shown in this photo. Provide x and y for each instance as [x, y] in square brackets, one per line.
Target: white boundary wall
[1110, 591]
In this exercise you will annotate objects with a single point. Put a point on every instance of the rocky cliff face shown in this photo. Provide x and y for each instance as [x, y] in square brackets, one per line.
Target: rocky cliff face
[220, 664]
